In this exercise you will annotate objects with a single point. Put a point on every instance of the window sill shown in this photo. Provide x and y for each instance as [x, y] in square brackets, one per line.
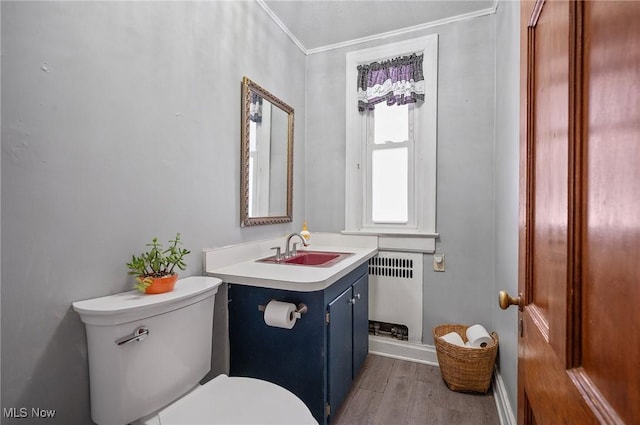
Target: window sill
[408, 241]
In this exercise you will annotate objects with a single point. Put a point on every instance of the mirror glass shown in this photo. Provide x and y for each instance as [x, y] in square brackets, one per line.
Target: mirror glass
[267, 157]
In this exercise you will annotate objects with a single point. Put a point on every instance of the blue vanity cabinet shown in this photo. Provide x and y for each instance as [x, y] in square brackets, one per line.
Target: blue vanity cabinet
[347, 339]
[340, 348]
[316, 359]
[360, 323]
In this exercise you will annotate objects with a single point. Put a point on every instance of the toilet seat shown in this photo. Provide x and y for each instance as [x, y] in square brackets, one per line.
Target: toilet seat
[236, 400]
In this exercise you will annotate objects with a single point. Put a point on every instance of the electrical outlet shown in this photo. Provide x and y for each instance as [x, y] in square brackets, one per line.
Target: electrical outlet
[438, 262]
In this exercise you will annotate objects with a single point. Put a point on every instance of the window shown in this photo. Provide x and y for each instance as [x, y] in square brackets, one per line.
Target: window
[391, 157]
[389, 171]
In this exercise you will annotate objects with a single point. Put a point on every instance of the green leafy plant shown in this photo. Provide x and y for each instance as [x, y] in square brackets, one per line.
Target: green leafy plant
[157, 262]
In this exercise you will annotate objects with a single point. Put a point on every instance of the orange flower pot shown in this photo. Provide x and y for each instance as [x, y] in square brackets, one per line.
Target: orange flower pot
[160, 285]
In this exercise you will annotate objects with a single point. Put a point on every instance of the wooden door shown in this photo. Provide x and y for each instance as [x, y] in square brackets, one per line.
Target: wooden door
[579, 271]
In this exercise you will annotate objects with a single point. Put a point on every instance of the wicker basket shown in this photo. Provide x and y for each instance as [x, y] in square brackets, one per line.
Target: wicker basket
[464, 369]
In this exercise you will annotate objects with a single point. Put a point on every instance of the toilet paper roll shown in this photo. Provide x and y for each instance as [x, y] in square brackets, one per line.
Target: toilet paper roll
[280, 314]
[478, 337]
[453, 338]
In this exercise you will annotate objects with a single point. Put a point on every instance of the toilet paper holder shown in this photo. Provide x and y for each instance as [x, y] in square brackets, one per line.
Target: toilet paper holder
[301, 309]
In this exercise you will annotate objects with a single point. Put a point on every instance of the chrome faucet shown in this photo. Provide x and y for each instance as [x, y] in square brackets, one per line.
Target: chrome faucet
[289, 253]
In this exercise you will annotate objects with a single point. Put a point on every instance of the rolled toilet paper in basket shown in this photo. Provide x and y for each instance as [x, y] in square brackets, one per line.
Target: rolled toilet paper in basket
[280, 314]
[478, 337]
[453, 338]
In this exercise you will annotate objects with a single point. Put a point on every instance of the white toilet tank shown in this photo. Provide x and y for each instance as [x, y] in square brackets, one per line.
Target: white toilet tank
[171, 354]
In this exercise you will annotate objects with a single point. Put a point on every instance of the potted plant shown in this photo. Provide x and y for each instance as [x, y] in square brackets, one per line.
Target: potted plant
[154, 269]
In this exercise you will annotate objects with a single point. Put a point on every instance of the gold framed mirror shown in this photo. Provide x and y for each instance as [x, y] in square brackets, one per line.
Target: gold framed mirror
[266, 188]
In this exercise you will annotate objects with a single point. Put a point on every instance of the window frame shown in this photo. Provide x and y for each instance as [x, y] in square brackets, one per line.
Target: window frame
[418, 234]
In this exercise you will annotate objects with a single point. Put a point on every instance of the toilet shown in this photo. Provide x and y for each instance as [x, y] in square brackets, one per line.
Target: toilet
[147, 354]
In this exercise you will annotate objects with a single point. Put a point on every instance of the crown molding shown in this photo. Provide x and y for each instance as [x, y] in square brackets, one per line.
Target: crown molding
[458, 18]
[282, 26]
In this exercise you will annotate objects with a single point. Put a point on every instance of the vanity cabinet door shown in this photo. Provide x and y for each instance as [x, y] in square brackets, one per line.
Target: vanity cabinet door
[360, 323]
[348, 339]
[340, 348]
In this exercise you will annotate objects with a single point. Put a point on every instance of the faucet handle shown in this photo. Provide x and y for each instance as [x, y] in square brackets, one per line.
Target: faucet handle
[278, 254]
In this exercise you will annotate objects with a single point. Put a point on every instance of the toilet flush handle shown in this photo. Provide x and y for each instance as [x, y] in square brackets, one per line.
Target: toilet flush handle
[138, 335]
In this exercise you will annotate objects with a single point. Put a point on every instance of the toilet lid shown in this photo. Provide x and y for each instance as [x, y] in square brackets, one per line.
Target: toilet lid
[236, 400]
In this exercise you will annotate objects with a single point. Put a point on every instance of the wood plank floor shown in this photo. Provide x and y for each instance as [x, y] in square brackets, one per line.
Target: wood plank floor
[396, 392]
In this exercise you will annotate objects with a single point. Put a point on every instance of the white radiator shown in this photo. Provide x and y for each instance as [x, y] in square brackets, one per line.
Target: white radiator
[395, 290]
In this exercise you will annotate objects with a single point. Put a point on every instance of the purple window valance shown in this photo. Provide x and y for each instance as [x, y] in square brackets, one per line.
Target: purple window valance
[397, 81]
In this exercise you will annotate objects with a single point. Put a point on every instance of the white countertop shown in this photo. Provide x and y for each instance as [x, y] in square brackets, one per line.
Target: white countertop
[289, 276]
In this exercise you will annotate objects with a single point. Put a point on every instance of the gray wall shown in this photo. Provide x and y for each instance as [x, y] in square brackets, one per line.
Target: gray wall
[120, 122]
[465, 210]
[506, 187]
[106, 106]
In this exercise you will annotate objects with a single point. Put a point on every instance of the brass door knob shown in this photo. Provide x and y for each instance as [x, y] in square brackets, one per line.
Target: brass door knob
[505, 300]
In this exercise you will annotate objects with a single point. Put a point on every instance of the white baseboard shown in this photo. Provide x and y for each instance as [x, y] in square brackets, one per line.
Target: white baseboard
[403, 350]
[505, 412]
